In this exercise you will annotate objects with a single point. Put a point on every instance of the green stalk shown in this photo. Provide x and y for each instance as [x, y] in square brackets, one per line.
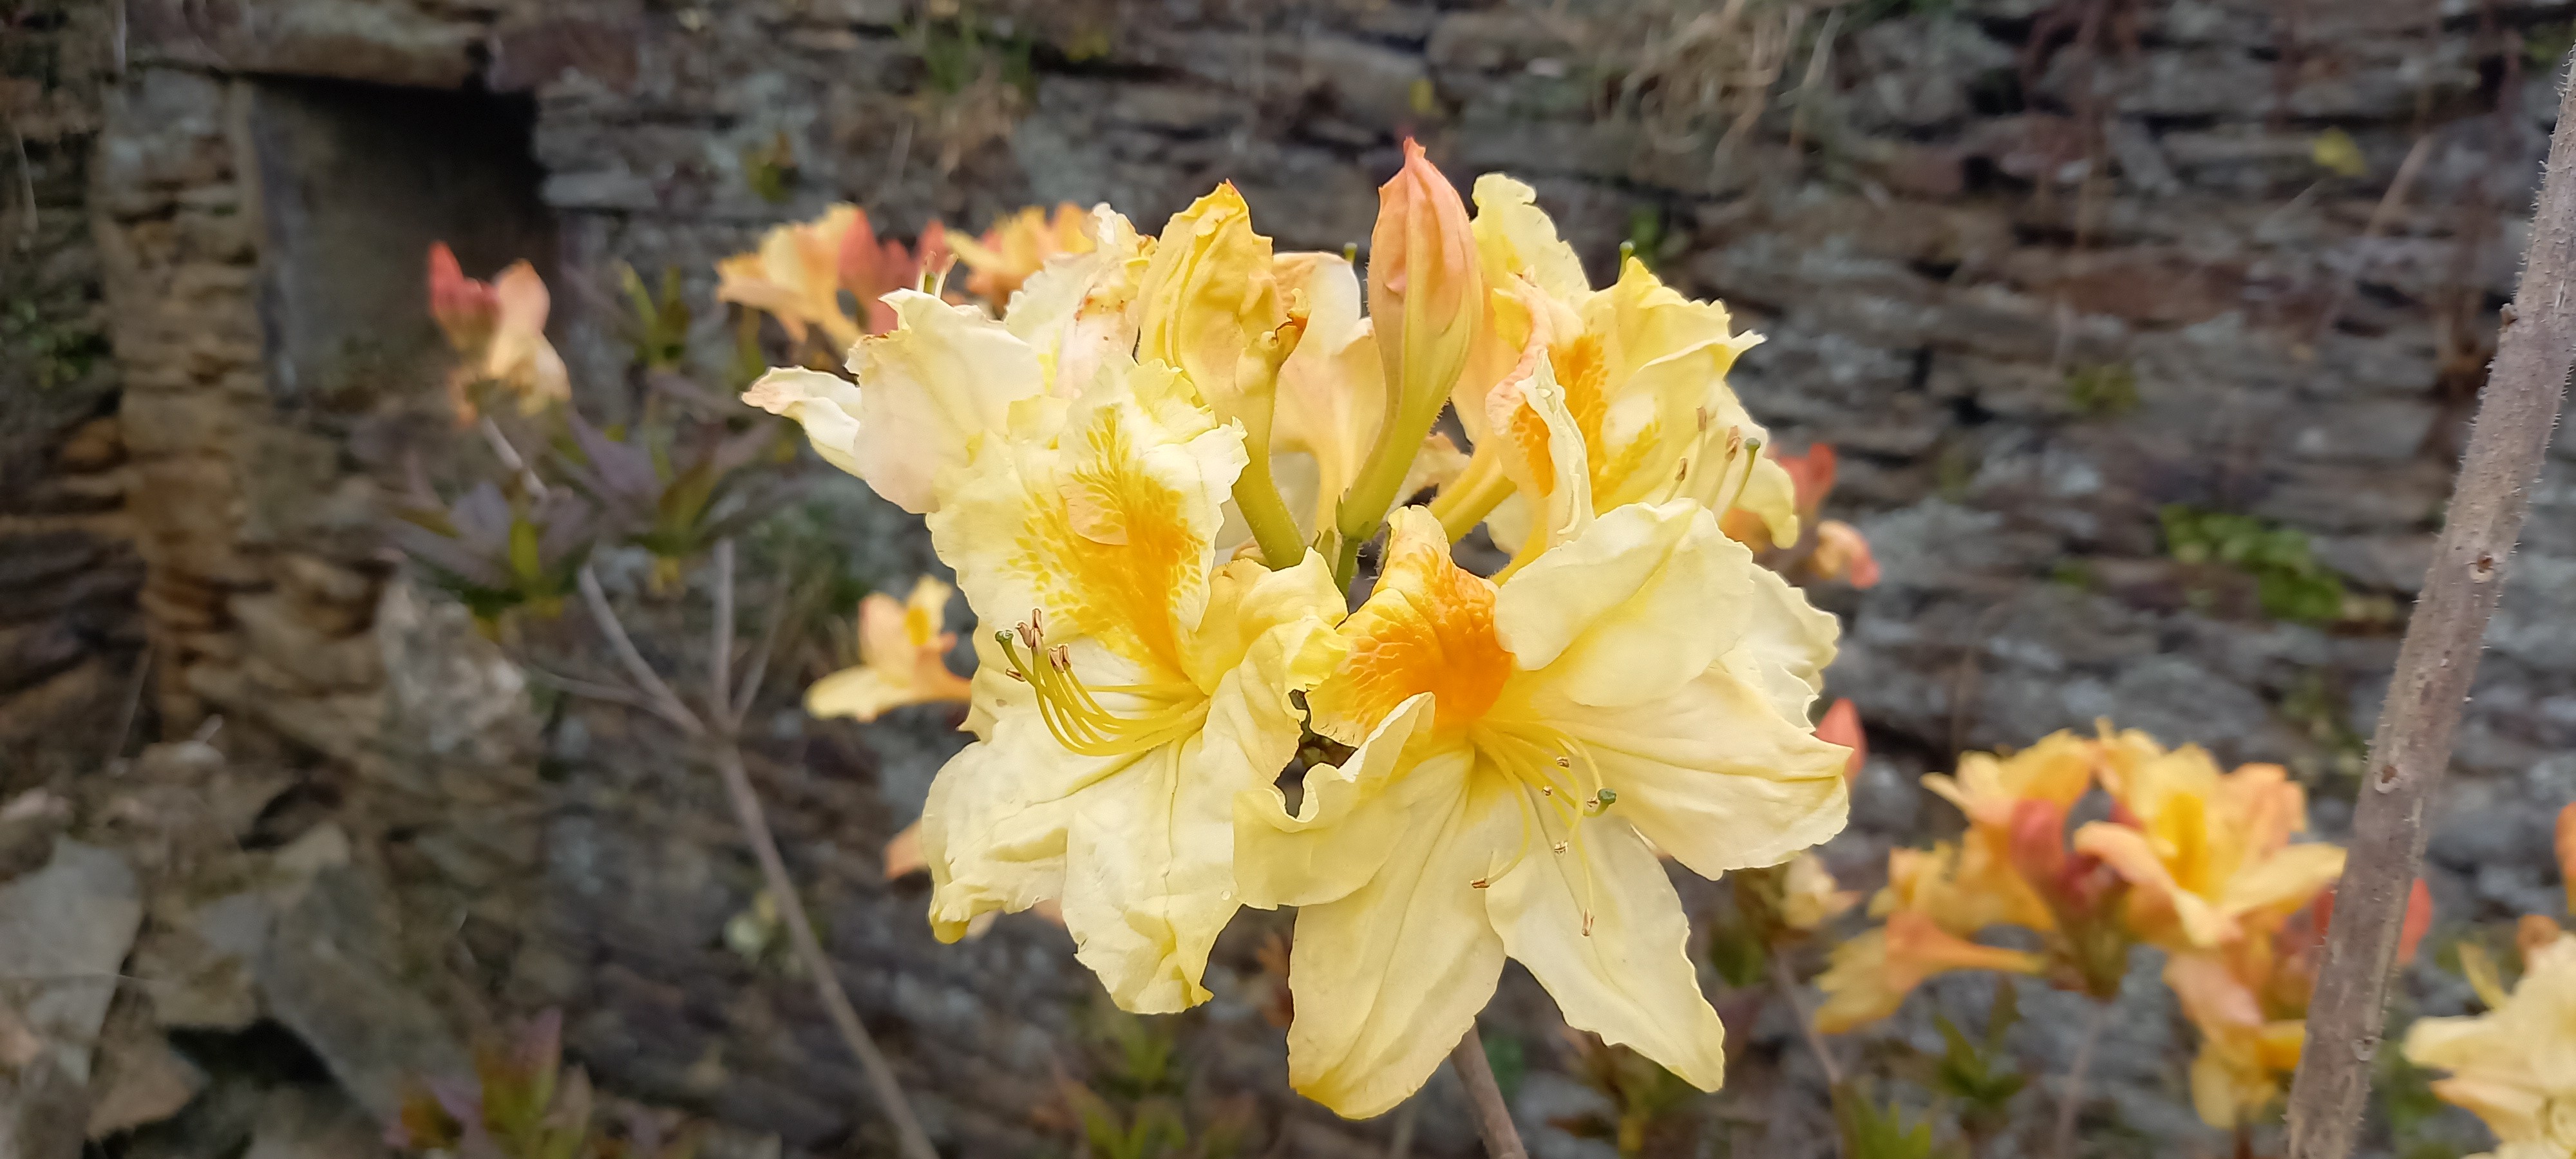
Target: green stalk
[1256, 491]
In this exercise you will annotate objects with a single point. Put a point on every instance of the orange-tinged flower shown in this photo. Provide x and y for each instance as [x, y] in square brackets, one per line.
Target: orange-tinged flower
[1019, 246]
[1832, 549]
[2249, 1000]
[2207, 854]
[1929, 911]
[902, 658]
[801, 270]
[499, 331]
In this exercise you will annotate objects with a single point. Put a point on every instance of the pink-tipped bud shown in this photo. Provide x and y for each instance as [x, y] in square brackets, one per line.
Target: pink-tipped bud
[1426, 291]
[467, 311]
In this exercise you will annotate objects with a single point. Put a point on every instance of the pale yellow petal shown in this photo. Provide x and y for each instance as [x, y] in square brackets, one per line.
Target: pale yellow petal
[1785, 647]
[1601, 620]
[827, 406]
[1389, 978]
[1080, 312]
[1600, 926]
[1515, 236]
[929, 389]
[1714, 777]
[1543, 452]
[1111, 531]
[1209, 293]
[1350, 819]
[993, 827]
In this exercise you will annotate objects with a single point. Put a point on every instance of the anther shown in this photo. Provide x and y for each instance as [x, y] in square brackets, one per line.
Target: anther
[1559, 847]
[1703, 418]
[1587, 925]
[1479, 883]
[1037, 620]
[1014, 674]
[1565, 762]
[1681, 471]
[1029, 637]
[1062, 655]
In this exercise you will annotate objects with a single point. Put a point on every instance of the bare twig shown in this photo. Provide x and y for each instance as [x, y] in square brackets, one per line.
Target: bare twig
[2380, 215]
[1782, 977]
[511, 458]
[720, 649]
[666, 703]
[2071, 1100]
[2436, 666]
[1485, 1097]
[590, 688]
[909, 1137]
[756, 671]
[658, 698]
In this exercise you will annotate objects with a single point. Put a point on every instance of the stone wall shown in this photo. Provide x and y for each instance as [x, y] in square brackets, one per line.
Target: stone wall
[69, 633]
[2041, 271]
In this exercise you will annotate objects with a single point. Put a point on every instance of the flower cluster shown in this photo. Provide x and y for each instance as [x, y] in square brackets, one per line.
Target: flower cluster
[1154, 473]
[2192, 860]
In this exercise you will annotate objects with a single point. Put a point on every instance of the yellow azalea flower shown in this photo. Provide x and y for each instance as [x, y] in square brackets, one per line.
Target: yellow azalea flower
[1011, 252]
[1152, 685]
[902, 658]
[2205, 853]
[945, 377]
[2245, 1055]
[1644, 372]
[2514, 1067]
[1930, 913]
[1810, 896]
[1523, 750]
[499, 329]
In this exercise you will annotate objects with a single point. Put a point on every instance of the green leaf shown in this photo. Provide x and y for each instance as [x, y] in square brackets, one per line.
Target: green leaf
[527, 562]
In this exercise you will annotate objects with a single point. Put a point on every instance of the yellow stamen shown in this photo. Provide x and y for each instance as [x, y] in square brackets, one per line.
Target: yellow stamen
[1076, 717]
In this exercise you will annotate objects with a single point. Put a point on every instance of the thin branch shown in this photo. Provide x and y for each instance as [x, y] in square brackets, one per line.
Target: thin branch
[720, 649]
[2436, 667]
[511, 458]
[756, 671]
[909, 1137]
[590, 688]
[1485, 1097]
[1788, 984]
[2071, 1100]
[666, 703]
